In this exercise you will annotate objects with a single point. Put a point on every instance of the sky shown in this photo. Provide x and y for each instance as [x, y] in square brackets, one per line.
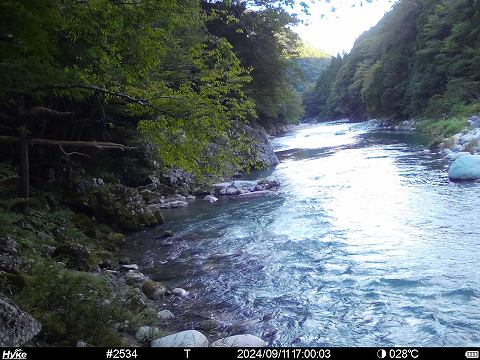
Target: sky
[341, 23]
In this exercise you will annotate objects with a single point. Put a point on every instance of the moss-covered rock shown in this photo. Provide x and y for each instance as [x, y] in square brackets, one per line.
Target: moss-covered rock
[153, 289]
[85, 224]
[115, 237]
[76, 255]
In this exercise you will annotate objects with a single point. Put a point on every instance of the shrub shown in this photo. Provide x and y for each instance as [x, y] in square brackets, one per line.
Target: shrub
[72, 305]
[443, 127]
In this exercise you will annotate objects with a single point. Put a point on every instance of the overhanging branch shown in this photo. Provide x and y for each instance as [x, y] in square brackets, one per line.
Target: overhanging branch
[84, 144]
[128, 98]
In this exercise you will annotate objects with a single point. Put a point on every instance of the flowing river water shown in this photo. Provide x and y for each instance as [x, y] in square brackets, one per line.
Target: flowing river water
[366, 243]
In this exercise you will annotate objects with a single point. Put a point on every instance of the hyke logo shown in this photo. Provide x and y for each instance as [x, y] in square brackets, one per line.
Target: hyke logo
[18, 354]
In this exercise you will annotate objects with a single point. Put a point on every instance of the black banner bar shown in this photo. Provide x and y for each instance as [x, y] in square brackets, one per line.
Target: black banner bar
[287, 353]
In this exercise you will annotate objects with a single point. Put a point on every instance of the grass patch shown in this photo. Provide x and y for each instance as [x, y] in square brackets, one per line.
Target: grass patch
[443, 127]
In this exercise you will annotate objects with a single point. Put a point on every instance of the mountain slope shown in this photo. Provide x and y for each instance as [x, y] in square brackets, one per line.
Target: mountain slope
[420, 60]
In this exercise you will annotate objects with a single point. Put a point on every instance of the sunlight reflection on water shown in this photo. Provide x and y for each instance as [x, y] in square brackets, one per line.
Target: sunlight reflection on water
[366, 243]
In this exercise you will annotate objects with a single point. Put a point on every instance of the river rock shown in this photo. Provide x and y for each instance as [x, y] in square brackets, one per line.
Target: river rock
[231, 190]
[180, 292]
[74, 250]
[255, 194]
[241, 341]
[10, 257]
[77, 255]
[129, 267]
[468, 137]
[176, 197]
[165, 315]
[153, 289]
[266, 184]
[455, 155]
[172, 204]
[210, 198]
[238, 187]
[18, 327]
[474, 121]
[185, 339]
[147, 333]
[115, 237]
[134, 276]
[135, 300]
[466, 167]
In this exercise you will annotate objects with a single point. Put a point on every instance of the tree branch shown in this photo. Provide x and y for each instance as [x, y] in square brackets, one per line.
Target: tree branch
[72, 153]
[43, 111]
[94, 144]
[128, 98]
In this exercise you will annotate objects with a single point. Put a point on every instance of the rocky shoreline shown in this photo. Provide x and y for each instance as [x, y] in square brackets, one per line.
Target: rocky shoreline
[461, 149]
[103, 213]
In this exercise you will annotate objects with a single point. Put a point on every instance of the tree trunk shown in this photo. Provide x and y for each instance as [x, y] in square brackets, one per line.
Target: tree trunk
[24, 166]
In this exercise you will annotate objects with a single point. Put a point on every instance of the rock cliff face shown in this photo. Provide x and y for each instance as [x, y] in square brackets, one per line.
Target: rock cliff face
[263, 149]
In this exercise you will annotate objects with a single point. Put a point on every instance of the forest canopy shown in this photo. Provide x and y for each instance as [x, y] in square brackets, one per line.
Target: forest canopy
[185, 74]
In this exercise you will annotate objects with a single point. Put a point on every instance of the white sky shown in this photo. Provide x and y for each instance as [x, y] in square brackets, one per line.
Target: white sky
[336, 31]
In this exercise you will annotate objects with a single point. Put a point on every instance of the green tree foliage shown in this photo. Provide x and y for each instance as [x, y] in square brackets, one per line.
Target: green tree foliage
[421, 59]
[150, 63]
[263, 42]
[184, 73]
[309, 64]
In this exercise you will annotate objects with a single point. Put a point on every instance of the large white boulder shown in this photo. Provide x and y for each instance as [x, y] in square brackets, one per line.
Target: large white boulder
[466, 167]
[241, 341]
[186, 339]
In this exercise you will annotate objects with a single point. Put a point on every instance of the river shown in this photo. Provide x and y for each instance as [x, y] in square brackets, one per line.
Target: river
[366, 243]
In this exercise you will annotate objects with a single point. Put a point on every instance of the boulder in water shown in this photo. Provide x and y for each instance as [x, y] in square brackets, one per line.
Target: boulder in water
[210, 198]
[180, 292]
[466, 167]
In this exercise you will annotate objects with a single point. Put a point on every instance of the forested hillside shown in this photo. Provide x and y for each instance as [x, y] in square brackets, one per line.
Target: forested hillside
[310, 63]
[420, 60]
[179, 77]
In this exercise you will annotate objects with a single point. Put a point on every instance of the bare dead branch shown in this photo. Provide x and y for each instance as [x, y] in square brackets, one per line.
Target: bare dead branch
[43, 111]
[72, 153]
